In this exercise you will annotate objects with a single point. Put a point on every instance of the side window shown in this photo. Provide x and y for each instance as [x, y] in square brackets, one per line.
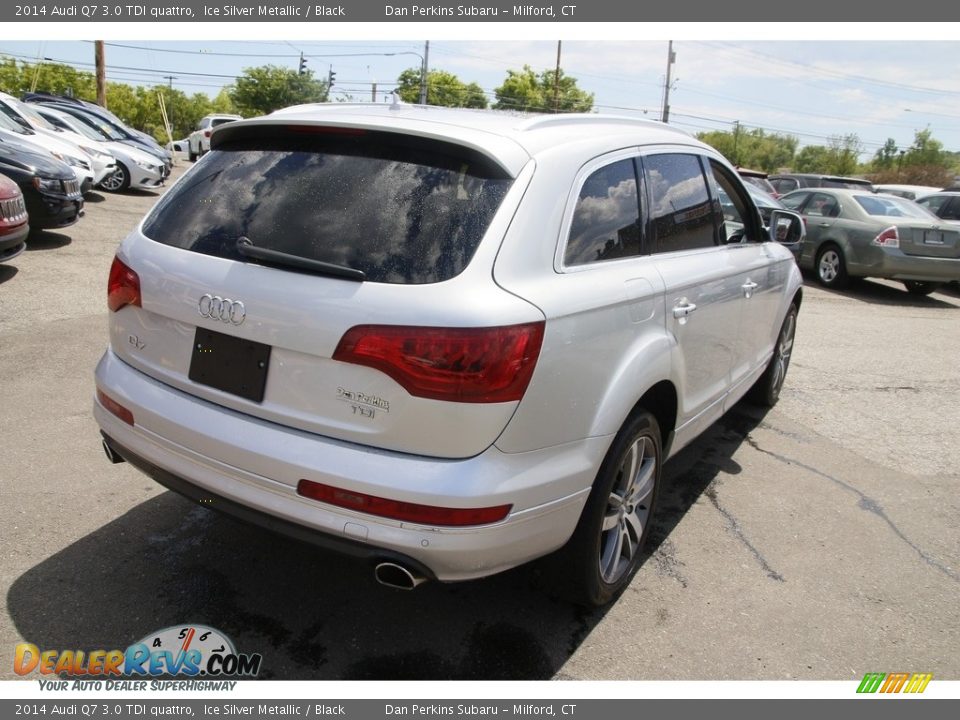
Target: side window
[681, 209]
[933, 204]
[822, 205]
[737, 209]
[952, 210]
[794, 201]
[606, 221]
[785, 185]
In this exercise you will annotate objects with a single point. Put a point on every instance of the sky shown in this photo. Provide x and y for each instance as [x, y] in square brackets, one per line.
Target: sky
[810, 89]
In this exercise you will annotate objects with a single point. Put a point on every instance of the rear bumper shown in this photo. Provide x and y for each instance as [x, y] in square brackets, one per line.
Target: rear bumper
[257, 517]
[250, 468]
[896, 265]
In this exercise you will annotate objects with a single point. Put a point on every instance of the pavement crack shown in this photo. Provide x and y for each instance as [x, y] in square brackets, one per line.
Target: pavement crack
[864, 502]
[734, 526]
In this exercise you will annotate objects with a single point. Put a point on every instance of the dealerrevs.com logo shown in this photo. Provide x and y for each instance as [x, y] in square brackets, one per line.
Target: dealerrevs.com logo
[183, 651]
[895, 682]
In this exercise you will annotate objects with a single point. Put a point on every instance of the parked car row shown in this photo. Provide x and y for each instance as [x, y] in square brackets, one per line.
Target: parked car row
[856, 229]
[54, 150]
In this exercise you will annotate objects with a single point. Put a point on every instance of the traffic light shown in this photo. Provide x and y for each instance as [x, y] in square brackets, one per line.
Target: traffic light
[331, 76]
[303, 65]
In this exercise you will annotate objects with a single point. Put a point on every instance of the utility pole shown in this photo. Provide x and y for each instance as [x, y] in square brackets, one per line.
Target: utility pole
[373, 92]
[736, 141]
[170, 78]
[99, 61]
[423, 73]
[671, 58]
[556, 82]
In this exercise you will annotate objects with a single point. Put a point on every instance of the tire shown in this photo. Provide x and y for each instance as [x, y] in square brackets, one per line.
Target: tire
[831, 268]
[119, 181]
[191, 154]
[606, 548]
[766, 391]
[920, 287]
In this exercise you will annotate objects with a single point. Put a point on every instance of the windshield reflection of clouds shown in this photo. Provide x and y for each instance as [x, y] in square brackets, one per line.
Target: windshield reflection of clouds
[396, 221]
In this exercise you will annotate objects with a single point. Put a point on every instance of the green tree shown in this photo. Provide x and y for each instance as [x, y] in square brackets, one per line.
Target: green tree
[443, 88]
[925, 150]
[546, 92]
[845, 153]
[886, 157]
[925, 162]
[754, 149]
[261, 90]
[812, 158]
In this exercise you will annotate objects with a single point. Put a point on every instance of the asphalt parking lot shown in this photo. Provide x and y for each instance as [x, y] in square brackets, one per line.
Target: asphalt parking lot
[817, 541]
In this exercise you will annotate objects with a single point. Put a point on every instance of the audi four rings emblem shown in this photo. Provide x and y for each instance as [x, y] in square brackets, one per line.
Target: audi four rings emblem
[222, 309]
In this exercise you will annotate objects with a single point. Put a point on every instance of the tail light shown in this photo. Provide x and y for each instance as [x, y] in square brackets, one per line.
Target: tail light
[123, 287]
[466, 365]
[206, 133]
[888, 238]
[398, 510]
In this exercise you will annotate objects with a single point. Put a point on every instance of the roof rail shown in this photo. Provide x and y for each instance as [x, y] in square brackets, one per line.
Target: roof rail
[535, 123]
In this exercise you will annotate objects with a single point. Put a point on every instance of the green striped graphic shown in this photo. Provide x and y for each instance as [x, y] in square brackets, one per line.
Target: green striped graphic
[871, 682]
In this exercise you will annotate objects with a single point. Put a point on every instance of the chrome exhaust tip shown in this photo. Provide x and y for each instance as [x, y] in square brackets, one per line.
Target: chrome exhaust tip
[111, 455]
[397, 576]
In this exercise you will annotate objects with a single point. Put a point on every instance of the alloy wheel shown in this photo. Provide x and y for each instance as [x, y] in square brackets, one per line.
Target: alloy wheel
[628, 509]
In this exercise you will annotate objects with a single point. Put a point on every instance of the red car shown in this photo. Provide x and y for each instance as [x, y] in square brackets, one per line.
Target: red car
[13, 220]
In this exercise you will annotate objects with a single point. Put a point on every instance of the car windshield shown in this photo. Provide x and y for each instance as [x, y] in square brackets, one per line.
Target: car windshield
[890, 206]
[33, 116]
[81, 128]
[8, 123]
[398, 209]
[98, 124]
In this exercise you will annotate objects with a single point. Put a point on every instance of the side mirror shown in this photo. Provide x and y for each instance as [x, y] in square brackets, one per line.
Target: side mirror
[786, 227]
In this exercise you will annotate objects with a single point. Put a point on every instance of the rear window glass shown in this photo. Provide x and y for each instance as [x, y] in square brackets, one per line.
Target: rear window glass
[400, 209]
[892, 207]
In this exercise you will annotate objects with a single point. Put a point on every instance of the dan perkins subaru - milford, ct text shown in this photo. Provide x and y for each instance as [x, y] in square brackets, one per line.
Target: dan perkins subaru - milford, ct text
[304, 11]
[478, 11]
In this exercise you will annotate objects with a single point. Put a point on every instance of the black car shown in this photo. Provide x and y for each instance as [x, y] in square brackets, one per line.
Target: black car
[50, 188]
[944, 205]
[788, 182]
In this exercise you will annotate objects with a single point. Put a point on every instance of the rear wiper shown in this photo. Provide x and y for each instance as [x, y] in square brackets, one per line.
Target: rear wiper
[246, 248]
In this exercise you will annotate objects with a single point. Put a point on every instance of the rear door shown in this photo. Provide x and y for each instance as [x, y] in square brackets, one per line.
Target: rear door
[701, 282]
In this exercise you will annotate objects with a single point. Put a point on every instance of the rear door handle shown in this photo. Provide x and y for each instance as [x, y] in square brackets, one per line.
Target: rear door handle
[683, 309]
[748, 287]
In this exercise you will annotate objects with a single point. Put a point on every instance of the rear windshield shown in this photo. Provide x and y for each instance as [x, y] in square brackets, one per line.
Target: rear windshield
[892, 207]
[400, 209]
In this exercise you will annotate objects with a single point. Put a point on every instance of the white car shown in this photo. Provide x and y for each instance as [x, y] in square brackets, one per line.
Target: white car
[102, 163]
[448, 341]
[134, 168]
[198, 143]
[80, 163]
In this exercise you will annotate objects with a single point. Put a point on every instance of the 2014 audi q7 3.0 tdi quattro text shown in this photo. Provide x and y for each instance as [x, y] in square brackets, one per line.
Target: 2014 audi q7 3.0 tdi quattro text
[447, 341]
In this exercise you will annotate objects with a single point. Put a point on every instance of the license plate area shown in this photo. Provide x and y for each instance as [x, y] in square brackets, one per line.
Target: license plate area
[230, 364]
[933, 237]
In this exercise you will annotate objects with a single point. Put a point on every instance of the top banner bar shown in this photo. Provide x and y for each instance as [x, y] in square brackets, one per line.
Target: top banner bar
[490, 11]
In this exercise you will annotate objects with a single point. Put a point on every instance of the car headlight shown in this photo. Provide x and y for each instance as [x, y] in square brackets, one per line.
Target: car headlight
[145, 165]
[94, 153]
[47, 184]
[74, 161]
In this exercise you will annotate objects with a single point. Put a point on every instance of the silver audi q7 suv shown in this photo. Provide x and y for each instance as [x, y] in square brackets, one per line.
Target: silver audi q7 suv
[447, 341]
